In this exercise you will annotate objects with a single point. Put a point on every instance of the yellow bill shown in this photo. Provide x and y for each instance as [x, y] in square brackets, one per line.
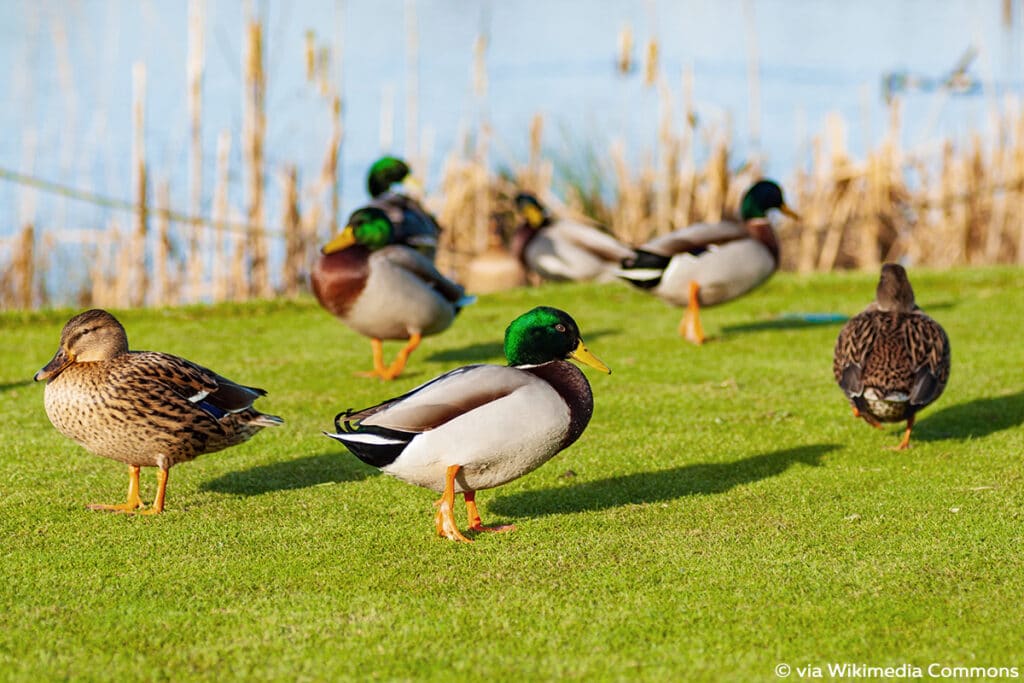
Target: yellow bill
[789, 212]
[534, 216]
[345, 238]
[583, 355]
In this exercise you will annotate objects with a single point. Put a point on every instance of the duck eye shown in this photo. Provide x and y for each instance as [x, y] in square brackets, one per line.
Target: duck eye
[560, 327]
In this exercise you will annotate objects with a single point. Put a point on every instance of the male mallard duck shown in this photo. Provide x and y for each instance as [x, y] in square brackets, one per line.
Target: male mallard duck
[706, 264]
[144, 408]
[891, 360]
[413, 224]
[383, 290]
[481, 426]
[561, 249]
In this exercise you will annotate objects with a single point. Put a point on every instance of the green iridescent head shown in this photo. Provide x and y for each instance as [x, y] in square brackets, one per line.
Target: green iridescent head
[368, 226]
[384, 173]
[532, 210]
[763, 196]
[545, 334]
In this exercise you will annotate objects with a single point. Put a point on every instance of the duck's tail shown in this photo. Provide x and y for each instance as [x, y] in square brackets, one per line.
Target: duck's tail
[644, 270]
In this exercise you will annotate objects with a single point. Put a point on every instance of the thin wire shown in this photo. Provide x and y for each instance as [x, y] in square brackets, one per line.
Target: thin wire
[114, 203]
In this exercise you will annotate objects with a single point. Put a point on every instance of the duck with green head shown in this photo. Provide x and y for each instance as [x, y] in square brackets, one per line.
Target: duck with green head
[481, 426]
[710, 263]
[383, 290]
[891, 360]
[560, 249]
[413, 224]
[143, 408]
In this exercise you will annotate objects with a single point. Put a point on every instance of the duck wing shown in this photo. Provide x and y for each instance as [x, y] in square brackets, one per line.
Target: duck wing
[419, 265]
[930, 353]
[414, 225]
[696, 239]
[590, 239]
[201, 387]
[378, 434]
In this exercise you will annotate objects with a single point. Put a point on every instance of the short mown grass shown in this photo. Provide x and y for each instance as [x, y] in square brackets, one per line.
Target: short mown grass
[722, 514]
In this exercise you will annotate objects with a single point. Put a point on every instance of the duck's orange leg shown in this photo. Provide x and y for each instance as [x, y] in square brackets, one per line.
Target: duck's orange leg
[905, 442]
[444, 519]
[396, 368]
[132, 502]
[867, 418]
[379, 369]
[474, 516]
[161, 492]
[689, 326]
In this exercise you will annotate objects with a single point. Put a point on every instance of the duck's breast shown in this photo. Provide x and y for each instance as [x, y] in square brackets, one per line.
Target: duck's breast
[724, 272]
[395, 303]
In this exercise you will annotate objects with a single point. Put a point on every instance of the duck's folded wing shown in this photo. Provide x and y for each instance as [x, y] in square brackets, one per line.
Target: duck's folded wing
[449, 396]
[413, 224]
[200, 386]
[591, 239]
[929, 349]
[420, 266]
[378, 435]
[855, 341]
[696, 239]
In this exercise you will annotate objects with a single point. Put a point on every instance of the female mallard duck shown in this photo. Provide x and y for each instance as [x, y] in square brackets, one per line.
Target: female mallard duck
[481, 426]
[891, 360]
[144, 408]
[706, 264]
[383, 290]
[560, 249]
[413, 224]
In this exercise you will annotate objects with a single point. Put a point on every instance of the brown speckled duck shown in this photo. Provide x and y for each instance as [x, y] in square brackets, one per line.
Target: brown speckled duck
[383, 290]
[144, 408]
[710, 263]
[892, 360]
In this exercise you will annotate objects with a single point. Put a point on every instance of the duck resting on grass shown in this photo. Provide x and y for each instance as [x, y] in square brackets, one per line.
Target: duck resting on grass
[710, 263]
[559, 249]
[891, 360]
[384, 290]
[413, 225]
[481, 426]
[144, 408]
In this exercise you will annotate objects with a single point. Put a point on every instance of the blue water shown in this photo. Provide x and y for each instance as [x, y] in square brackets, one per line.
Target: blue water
[66, 115]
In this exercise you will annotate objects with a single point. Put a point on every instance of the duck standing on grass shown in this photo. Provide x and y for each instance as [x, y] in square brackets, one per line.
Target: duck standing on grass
[560, 249]
[481, 426]
[144, 408]
[891, 360]
[710, 263]
[414, 225]
[384, 290]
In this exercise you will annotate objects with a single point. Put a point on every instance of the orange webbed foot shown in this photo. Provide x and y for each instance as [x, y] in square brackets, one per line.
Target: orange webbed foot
[474, 516]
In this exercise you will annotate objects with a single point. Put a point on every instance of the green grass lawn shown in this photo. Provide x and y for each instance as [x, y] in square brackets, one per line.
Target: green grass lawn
[723, 513]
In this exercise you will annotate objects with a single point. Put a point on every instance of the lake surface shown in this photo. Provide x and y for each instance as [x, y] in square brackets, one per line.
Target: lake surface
[66, 70]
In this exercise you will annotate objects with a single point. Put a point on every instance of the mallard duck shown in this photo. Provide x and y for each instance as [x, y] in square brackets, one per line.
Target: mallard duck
[560, 249]
[891, 360]
[144, 408]
[413, 224]
[383, 290]
[481, 426]
[710, 263]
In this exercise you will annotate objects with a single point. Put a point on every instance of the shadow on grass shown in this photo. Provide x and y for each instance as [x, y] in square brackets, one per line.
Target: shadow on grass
[16, 385]
[971, 420]
[312, 470]
[495, 351]
[658, 486]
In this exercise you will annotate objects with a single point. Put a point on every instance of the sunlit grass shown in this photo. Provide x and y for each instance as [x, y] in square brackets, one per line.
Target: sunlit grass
[722, 513]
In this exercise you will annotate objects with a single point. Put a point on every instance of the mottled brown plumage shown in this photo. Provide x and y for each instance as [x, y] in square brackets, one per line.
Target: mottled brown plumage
[143, 408]
[892, 360]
